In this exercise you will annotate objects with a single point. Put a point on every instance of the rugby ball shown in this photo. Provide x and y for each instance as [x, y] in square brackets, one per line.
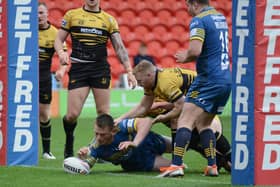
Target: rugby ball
[75, 165]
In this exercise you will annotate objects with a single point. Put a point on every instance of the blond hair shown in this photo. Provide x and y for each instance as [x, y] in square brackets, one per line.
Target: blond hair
[144, 66]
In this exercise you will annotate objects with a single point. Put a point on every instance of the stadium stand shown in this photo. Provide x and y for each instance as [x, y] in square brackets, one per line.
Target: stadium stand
[161, 24]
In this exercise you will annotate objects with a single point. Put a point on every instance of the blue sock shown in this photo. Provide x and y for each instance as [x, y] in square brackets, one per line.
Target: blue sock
[208, 142]
[182, 140]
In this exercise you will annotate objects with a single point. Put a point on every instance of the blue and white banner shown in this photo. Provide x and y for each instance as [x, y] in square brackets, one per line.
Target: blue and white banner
[23, 83]
[243, 65]
[256, 92]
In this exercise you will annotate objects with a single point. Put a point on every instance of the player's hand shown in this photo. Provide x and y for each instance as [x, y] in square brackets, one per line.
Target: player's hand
[127, 144]
[63, 57]
[181, 56]
[59, 74]
[159, 118]
[83, 152]
[117, 121]
[131, 80]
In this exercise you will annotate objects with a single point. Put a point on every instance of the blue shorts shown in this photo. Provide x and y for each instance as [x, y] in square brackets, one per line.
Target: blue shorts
[143, 157]
[209, 96]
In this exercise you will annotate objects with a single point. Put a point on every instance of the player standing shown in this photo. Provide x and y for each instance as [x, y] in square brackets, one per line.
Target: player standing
[210, 91]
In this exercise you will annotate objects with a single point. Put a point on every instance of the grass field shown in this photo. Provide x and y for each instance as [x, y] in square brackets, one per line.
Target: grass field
[50, 173]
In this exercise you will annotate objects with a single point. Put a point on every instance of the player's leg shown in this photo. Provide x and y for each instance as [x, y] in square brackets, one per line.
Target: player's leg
[45, 130]
[183, 136]
[212, 98]
[173, 128]
[102, 100]
[223, 148]
[161, 162]
[76, 99]
[208, 142]
[101, 91]
[45, 97]
[223, 153]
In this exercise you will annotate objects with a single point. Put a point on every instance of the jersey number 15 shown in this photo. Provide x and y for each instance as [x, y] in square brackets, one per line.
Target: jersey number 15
[224, 56]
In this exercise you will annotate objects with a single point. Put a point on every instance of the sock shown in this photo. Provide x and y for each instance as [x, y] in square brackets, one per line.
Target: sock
[173, 135]
[45, 130]
[223, 146]
[182, 140]
[208, 142]
[69, 131]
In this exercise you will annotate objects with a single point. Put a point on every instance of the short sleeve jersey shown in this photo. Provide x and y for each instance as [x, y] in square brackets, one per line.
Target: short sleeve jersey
[171, 83]
[213, 63]
[111, 153]
[46, 50]
[90, 32]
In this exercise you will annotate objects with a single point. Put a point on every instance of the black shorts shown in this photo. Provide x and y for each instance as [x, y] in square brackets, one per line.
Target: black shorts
[87, 75]
[45, 91]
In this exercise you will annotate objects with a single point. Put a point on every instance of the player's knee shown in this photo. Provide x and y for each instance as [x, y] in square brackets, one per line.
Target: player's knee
[44, 116]
[102, 110]
[71, 117]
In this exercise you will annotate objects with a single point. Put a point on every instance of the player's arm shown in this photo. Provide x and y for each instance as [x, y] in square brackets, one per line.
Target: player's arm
[197, 36]
[138, 111]
[58, 45]
[174, 113]
[143, 126]
[62, 68]
[191, 54]
[88, 154]
[162, 104]
[123, 57]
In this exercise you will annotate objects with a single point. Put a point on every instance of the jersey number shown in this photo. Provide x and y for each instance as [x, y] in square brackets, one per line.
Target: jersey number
[224, 57]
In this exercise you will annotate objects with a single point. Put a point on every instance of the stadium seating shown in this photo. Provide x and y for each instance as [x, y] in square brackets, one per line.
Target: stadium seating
[162, 24]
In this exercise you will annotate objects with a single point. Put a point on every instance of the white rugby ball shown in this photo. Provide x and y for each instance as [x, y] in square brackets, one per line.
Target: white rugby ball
[75, 165]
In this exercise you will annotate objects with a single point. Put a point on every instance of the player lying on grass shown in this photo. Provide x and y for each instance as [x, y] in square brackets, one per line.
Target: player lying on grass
[129, 144]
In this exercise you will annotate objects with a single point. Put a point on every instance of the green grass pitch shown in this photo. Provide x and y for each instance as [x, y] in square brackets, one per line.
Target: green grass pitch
[50, 173]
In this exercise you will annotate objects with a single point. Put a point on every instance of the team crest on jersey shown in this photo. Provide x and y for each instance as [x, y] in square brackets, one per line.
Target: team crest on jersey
[194, 23]
[104, 26]
[48, 44]
[194, 94]
[103, 81]
[81, 22]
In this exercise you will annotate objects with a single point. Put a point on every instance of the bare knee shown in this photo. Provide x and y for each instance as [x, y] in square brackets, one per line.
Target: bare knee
[72, 117]
[102, 110]
[44, 116]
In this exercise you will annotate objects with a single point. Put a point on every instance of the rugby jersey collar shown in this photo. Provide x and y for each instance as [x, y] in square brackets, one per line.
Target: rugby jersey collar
[206, 9]
[91, 11]
[49, 25]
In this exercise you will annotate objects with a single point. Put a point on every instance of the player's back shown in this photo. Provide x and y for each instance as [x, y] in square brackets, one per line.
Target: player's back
[172, 83]
[213, 63]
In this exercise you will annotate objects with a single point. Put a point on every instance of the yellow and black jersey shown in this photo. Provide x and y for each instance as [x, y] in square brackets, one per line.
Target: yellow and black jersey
[171, 83]
[46, 50]
[90, 32]
[46, 44]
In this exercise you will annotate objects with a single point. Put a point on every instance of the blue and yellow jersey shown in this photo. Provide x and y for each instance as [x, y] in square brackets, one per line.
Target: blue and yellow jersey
[171, 84]
[212, 64]
[140, 158]
[111, 153]
[90, 32]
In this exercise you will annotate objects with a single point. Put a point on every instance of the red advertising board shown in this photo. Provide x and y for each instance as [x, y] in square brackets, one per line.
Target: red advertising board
[3, 81]
[267, 93]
